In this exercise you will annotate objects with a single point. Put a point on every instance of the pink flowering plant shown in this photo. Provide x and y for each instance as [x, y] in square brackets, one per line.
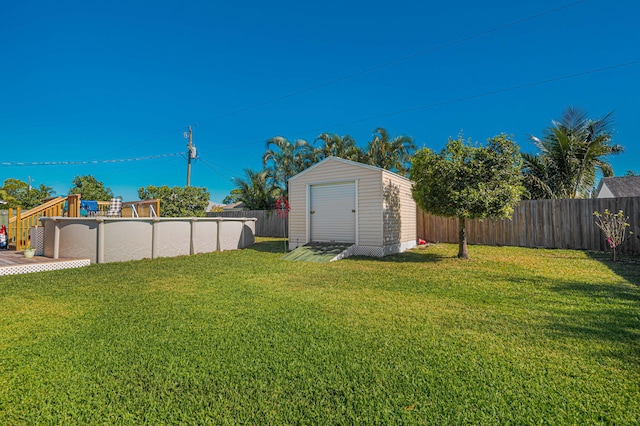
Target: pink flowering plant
[614, 226]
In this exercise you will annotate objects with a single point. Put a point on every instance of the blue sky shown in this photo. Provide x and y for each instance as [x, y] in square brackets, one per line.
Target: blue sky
[95, 81]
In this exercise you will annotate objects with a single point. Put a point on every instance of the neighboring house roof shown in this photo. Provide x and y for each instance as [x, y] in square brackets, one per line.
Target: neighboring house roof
[614, 187]
[213, 204]
[235, 206]
[342, 160]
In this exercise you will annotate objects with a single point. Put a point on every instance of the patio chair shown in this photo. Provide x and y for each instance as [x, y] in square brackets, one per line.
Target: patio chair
[115, 208]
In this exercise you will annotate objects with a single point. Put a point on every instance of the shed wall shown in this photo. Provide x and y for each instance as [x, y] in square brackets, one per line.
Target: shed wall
[399, 209]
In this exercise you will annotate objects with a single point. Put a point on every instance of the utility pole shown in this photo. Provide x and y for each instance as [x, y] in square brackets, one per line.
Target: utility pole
[191, 154]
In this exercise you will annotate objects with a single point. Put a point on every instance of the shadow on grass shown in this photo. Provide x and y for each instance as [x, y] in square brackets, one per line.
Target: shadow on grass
[415, 256]
[627, 267]
[269, 246]
[604, 315]
[609, 314]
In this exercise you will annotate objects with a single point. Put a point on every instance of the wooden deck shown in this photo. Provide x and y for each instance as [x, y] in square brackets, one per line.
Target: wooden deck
[13, 262]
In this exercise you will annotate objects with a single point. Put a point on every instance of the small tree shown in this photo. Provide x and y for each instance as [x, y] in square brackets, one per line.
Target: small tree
[614, 226]
[468, 182]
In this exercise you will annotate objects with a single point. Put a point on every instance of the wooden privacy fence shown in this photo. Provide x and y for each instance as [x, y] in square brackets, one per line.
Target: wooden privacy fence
[541, 223]
[269, 224]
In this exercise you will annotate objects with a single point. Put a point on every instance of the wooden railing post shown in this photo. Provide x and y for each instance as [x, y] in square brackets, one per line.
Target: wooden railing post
[73, 205]
[18, 232]
[11, 232]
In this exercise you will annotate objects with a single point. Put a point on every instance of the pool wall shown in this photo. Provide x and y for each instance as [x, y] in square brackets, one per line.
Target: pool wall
[104, 240]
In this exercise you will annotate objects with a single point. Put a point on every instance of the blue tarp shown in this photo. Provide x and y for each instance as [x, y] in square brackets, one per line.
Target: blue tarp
[89, 207]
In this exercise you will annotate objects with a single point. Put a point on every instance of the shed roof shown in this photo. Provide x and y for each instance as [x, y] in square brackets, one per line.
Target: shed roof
[353, 163]
[623, 186]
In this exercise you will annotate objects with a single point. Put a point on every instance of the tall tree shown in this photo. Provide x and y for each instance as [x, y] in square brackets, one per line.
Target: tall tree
[330, 144]
[90, 188]
[390, 153]
[178, 201]
[468, 181]
[571, 151]
[284, 159]
[256, 191]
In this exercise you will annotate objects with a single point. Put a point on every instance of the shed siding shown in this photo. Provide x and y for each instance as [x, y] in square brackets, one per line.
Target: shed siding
[399, 210]
[297, 214]
[408, 211]
[369, 206]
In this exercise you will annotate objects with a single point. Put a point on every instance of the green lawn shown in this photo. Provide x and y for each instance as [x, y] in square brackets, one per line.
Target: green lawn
[514, 336]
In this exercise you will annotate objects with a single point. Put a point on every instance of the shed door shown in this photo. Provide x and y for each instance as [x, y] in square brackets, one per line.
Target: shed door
[332, 212]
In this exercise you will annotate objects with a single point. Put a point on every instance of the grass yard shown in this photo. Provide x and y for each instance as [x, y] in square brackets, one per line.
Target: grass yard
[514, 336]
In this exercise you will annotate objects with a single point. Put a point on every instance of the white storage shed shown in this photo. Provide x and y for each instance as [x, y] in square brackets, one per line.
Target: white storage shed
[342, 201]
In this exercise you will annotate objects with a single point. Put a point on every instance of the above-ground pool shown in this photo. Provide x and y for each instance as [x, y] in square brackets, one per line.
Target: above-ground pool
[103, 240]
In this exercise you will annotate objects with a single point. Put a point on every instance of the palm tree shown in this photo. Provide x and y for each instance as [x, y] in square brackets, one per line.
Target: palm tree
[390, 154]
[338, 146]
[284, 159]
[256, 191]
[46, 191]
[540, 178]
[572, 150]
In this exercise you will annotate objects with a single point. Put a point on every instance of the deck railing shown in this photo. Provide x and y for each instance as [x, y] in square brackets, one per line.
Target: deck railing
[144, 208]
[21, 222]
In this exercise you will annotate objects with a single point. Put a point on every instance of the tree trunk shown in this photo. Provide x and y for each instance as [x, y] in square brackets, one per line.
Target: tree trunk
[462, 239]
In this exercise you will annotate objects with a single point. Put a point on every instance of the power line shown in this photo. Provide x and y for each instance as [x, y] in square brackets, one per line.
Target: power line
[455, 100]
[490, 93]
[235, 172]
[69, 163]
[215, 169]
[376, 67]
[396, 61]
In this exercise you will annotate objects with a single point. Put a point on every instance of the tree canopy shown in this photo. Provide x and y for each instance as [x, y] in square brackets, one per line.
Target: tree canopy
[468, 181]
[256, 190]
[17, 193]
[233, 196]
[178, 201]
[571, 151]
[390, 153]
[331, 144]
[90, 188]
[284, 159]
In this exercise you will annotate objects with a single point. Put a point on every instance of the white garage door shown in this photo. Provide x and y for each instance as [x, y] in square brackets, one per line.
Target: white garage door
[332, 212]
